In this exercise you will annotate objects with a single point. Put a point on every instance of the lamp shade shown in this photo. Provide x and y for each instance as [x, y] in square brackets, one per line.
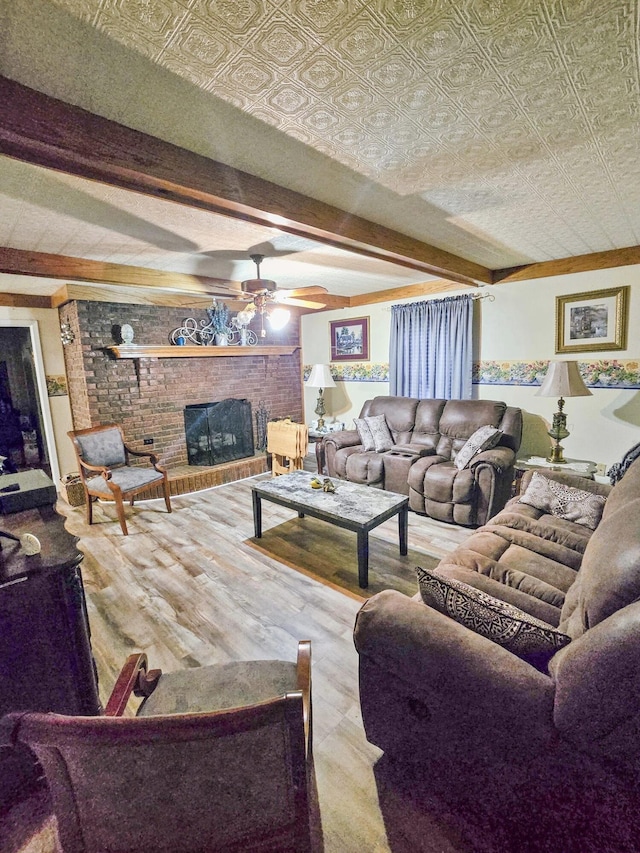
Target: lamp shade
[320, 377]
[563, 380]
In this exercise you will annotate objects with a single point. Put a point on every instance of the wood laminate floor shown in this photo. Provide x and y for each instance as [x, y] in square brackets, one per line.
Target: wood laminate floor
[194, 588]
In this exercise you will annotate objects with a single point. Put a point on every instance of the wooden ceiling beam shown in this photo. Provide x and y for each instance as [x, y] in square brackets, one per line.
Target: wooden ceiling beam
[45, 265]
[567, 266]
[38, 129]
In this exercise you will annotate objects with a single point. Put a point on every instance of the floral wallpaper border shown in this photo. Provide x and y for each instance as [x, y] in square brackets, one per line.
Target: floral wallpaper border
[355, 372]
[597, 373]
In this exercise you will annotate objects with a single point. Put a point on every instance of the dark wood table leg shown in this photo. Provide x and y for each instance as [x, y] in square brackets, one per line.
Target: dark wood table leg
[363, 559]
[320, 460]
[300, 514]
[257, 515]
[403, 530]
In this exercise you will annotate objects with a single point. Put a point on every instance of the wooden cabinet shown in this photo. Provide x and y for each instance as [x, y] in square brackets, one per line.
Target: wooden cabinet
[45, 652]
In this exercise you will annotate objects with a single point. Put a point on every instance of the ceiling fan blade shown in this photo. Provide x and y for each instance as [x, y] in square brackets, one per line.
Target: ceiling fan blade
[311, 290]
[300, 303]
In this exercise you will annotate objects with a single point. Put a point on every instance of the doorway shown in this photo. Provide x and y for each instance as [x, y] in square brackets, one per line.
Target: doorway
[26, 430]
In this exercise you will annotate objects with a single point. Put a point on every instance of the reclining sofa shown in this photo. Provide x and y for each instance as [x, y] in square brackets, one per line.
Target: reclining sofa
[435, 691]
[427, 436]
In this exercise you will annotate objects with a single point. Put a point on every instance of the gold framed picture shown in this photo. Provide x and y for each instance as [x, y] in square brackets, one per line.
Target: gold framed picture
[592, 321]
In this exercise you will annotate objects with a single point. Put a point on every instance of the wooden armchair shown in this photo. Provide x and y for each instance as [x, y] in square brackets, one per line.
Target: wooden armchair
[103, 460]
[181, 777]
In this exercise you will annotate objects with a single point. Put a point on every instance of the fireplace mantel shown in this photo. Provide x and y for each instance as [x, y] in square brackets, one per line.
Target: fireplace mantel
[198, 352]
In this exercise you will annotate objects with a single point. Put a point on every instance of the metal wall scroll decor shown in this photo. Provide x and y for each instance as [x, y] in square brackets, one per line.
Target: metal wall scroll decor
[207, 332]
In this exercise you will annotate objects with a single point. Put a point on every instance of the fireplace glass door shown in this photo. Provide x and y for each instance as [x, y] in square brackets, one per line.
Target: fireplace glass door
[218, 432]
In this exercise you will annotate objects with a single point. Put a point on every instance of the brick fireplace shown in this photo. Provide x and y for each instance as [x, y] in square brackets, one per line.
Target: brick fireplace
[148, 396]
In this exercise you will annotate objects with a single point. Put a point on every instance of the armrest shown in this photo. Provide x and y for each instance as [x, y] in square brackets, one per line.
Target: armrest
[343, 438]
[133, 678]
[98, 469]
[598, 684]
[303, 669]
[500, 458]
[438, 657]
[142, 453]
[416, 450]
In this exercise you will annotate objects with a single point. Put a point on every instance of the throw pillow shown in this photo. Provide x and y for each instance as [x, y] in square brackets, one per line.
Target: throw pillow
[366, 439]
[483, 438]
[527, 637]
[563, 501]
[382, 437]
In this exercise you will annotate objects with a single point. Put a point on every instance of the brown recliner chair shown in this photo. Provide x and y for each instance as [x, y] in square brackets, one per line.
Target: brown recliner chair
[428, 435]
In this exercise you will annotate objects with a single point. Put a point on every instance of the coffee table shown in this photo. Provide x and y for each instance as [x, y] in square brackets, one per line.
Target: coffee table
[351, 506]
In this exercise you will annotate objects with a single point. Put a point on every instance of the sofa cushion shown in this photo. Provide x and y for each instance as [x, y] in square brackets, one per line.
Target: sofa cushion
[364, 432]
[461, 418]
[529, 638]
[483, 438]
[563, 501]
[365, 468]
[399, 412]
[382, 438]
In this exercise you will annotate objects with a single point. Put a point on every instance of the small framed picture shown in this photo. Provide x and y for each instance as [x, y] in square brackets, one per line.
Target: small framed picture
[592, 321]
[350, 339]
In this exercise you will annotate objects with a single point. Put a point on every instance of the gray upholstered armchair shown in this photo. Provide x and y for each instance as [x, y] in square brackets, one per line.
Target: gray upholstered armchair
[217, 758]
[103, 460]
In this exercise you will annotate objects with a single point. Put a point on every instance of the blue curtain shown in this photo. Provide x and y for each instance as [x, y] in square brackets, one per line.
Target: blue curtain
[430, 350]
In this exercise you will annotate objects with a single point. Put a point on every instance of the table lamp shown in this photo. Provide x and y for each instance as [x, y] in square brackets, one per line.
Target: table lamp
[321, 378]
[562, 380]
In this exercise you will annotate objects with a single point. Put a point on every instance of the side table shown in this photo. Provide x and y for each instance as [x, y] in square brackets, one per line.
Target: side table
[580, 467]
[317, 438]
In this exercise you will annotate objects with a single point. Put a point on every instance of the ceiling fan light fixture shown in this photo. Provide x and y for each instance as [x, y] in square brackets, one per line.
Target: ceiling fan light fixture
[278, 318]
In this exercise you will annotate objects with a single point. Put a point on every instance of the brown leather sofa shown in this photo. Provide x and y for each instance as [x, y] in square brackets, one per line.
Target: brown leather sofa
[428, 434]
[436, 693]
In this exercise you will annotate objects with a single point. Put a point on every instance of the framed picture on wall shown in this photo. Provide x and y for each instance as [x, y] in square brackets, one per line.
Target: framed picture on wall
[350, 339]
[592, 321]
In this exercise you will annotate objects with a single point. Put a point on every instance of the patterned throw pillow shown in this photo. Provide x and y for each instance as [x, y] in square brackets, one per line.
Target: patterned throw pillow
[382, 437]
[366, 439]
[527, 637]
[563, 501]
[483, 438]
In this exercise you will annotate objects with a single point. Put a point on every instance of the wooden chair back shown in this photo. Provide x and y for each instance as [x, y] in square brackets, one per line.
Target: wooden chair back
[231, 781]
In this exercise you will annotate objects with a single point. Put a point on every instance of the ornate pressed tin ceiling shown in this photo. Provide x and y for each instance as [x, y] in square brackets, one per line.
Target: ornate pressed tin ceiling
[503, 131]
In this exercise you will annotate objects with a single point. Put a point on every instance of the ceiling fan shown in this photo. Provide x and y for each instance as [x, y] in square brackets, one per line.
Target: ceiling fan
[263, 289]
[262, 292]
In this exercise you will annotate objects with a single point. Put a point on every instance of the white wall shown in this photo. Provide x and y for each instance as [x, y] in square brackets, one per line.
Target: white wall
[53, 358]
[518, 326]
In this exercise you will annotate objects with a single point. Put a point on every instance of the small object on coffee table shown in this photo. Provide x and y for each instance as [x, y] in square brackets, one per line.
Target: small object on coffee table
[328, 485]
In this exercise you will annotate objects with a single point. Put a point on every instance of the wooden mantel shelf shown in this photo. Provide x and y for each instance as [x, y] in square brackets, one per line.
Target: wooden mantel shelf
[197, 352]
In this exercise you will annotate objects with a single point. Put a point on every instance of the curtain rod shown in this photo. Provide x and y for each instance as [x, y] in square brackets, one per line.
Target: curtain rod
[488, 296]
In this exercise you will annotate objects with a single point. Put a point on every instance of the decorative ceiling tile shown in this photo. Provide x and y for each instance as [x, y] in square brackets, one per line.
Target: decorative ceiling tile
[392, 75]
[236, 17]
[287, 99]
[200, 45]
[355, 99]
[250, 77]
[279, 44]
[158, 18]
[321, 73]
[323, 14]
